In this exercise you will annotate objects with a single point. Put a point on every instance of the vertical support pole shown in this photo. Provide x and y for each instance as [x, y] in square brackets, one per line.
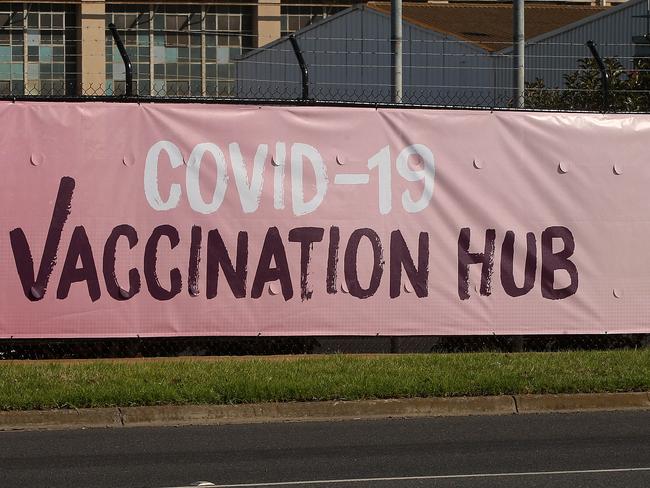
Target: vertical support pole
[128, 68]
[494, 80]
[28, 86]
[396, 50]
[518, 42]
[604, 76]
[92, 48]
[152, 64]
[267, 22]
[204, 11]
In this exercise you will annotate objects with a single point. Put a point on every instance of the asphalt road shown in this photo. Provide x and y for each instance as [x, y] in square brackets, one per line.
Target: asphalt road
[553, 450]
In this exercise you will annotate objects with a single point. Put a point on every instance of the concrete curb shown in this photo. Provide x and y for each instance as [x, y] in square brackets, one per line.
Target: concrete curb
[310, 411]
[582, 402]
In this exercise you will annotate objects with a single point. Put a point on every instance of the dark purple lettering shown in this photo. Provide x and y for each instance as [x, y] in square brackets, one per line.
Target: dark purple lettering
[552, 262]
[150, 259]
[306, 236]
[35, 289]
[465, 258]
[79, 250]
[112, 286]
[350, 263]
[195, 261]
[273, 249]
[218, 257]
[400, 257]
[507, 264]
[333, 260]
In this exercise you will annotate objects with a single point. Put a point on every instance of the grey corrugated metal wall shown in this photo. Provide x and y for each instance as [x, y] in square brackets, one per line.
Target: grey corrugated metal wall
[552, 56]
[349, 60]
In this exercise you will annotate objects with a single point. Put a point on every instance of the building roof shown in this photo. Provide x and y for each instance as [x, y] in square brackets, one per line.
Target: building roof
[488, 26]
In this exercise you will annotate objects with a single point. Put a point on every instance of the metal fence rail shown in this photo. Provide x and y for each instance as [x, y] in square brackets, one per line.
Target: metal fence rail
[213, 52]
[210, 53]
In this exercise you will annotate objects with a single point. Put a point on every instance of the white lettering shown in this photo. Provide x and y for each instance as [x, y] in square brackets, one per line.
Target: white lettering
[192, 178]
[426, 174]
[249, 194]
[151, 190]
[278, 175]
[298, 153]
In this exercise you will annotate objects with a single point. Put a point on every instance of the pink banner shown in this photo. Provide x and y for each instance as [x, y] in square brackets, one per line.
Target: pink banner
[125, 220]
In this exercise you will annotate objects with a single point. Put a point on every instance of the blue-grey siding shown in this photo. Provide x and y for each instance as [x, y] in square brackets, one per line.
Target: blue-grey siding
[348, 56]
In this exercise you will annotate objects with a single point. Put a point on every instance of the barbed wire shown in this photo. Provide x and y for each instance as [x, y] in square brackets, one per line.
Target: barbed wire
[443, 95]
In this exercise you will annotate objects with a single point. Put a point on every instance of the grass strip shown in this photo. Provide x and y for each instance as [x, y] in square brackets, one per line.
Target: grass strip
[43, 385]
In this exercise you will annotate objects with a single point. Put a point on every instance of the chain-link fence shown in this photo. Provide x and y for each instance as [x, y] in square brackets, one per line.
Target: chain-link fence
[242, 52]
[454, 55]
[243, 346]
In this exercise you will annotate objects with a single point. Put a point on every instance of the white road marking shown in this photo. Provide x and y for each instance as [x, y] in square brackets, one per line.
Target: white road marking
[435, 477]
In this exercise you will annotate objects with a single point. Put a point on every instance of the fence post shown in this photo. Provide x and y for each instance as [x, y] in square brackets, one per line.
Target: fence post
[125, 58]
[519, 45]
[396, 50]
[604, 76]
[304, 72]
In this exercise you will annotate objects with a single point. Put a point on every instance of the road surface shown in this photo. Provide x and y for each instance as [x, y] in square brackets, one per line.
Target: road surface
[587, 450]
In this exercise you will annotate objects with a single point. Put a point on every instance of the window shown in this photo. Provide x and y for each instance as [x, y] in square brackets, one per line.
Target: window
[37, 49]
[228, 32]
[11, 49]
[48, 54]
[178, 50]
[296, 17]
[133, 25]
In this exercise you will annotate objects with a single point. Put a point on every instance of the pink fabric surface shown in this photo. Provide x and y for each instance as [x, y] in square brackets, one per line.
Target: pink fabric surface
[571, 188]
